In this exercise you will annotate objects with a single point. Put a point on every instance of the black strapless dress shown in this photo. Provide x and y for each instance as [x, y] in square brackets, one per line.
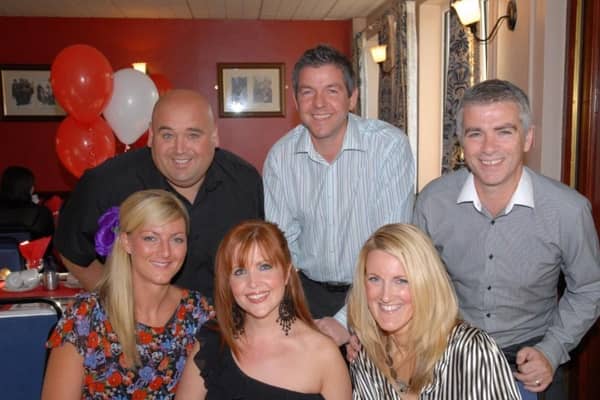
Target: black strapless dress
[224, 380]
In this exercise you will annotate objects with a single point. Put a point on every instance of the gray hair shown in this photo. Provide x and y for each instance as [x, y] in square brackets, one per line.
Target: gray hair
[494, 91]
[325, 55]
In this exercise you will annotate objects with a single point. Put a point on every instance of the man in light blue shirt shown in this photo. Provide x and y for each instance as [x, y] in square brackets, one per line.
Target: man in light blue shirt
[332, 181]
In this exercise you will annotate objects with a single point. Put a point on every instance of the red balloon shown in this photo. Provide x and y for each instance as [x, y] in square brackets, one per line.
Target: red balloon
[82, 146]
[82, 81]
[141, 142]
[162, 83]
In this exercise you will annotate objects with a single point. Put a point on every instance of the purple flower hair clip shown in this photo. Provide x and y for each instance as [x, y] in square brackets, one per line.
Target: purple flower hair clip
[108, 226]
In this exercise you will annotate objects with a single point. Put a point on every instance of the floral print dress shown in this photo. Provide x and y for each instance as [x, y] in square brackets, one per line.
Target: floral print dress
[163, 350]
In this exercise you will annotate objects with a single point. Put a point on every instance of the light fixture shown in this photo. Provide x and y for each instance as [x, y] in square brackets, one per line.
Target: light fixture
[379, 53]
[139, 66]
[468, 11]
[469, 14]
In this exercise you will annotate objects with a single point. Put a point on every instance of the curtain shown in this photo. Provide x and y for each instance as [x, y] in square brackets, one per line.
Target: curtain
[358, 46]
[393, 76]
[461, 72]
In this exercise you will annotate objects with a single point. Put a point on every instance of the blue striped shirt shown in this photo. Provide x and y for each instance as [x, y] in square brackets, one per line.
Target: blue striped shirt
[328, 210]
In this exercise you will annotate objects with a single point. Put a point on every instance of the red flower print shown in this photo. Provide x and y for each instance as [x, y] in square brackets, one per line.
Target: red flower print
[139, 394]
[145, 337]
[54, 340]
[115, 379]
[68, 326]
[83, 309]
[156, 383]
[106, 346]
[92, 341]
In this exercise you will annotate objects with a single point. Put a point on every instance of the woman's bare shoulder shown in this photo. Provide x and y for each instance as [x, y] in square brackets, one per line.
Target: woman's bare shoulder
[319, 345]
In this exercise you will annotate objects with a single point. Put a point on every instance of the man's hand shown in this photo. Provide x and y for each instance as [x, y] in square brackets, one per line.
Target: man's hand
[534, 369]
[330, 327]
[352, 348]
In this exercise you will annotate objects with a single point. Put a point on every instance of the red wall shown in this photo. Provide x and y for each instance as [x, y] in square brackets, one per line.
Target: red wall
[185, 51]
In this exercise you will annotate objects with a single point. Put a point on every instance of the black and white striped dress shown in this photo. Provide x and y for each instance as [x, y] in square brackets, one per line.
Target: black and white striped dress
[472, 368]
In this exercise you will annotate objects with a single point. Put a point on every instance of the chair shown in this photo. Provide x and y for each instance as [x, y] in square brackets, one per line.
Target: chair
[23, 334]
[9, 254]
[18, 234]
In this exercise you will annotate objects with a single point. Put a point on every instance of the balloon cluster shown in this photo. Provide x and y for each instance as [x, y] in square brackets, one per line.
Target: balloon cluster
[84, 84]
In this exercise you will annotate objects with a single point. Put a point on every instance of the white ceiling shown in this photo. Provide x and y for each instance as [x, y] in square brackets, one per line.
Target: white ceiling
[193, 9]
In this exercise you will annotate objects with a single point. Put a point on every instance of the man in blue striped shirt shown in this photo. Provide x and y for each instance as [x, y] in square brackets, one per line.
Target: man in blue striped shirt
[332, 181]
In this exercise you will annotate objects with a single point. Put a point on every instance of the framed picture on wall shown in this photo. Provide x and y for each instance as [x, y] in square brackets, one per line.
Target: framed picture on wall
[251, 90]
[26, 93]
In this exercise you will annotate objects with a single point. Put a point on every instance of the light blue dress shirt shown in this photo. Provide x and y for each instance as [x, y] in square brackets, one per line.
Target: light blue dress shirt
[328, 210]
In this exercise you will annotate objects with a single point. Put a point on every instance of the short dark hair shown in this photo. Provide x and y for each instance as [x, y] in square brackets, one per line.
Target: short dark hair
[325, 55]
[494, 91]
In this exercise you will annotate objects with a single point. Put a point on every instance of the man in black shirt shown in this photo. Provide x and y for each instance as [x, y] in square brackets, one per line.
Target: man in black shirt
[218, 188]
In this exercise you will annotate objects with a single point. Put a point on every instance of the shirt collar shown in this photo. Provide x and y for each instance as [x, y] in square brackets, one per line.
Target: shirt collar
[352, 140]
[217, 172]
[523, 196]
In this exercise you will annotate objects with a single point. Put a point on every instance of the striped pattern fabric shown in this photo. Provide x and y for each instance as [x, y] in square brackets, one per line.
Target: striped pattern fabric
[472, 368]
[328, 210]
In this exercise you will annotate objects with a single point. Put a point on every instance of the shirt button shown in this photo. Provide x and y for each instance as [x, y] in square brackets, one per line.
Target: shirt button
[489, 288]
[493, 222]
[488, 315]
[491, 256]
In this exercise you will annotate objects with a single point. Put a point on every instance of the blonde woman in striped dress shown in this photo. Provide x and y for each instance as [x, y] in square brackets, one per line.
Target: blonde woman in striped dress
[404, 311]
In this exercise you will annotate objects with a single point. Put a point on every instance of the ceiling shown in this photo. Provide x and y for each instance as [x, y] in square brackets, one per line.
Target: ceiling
[193, 9]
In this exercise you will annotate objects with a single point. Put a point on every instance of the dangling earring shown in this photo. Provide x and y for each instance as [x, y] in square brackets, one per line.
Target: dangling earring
[287, 313]
[238, 320]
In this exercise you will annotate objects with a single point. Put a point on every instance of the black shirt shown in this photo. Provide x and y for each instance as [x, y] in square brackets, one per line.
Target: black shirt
[224, 379]
[27, 217]
[232, 191]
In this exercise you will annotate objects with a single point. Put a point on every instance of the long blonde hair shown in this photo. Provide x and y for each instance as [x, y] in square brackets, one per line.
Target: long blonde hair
[435, 308]
[115, 289]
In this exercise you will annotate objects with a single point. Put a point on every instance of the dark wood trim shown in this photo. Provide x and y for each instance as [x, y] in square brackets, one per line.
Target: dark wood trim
[572, 84]
[583, 90]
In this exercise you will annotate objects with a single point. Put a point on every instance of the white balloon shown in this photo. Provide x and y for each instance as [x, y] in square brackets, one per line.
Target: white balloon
[129, 110]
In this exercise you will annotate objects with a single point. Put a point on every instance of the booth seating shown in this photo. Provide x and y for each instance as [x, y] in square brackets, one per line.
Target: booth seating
[10, 256]
[18, 235]
[24, 330]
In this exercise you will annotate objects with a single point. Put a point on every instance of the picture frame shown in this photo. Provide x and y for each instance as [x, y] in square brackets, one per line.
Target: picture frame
[26, 93]
[251, 90]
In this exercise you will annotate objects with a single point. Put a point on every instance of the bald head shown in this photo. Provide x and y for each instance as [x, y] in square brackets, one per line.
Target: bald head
[190, 98]
[183, 138]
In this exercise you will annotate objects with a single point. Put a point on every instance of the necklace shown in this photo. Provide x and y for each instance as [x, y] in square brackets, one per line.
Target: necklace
[400, 385]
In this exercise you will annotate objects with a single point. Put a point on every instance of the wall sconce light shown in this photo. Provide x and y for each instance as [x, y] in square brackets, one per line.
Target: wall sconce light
[469, 14]
[139, 66]
[379, 55]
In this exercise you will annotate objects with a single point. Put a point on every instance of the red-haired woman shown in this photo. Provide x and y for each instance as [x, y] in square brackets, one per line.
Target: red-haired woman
[266, 345]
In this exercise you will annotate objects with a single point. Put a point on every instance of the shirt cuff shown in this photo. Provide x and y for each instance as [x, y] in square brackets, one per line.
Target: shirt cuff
[553, 350]
[342, 317]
